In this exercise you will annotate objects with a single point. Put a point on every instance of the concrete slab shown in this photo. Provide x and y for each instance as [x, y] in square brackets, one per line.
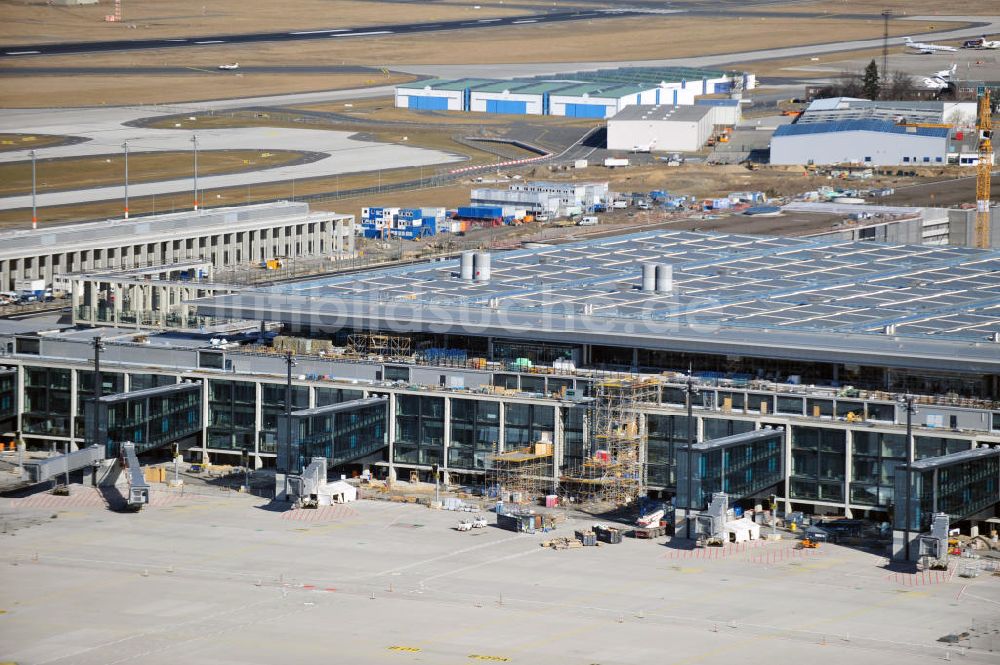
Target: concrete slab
[223, 579]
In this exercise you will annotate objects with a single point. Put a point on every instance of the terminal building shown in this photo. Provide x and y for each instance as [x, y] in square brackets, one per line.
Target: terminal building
[223, 237]
[589, 94]
[814, 340]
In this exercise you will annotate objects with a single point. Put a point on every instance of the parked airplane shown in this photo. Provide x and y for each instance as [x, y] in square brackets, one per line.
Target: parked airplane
[644, 148]
[981, 43]
[921, 47]
[939, 80]
[234, 65]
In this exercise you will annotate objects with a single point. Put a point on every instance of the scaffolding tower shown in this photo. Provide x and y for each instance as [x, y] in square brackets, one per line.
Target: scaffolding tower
[615, 470]
[369, 342]
[521, 476]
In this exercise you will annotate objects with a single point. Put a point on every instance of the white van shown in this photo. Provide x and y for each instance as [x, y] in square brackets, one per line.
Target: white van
[587, 220]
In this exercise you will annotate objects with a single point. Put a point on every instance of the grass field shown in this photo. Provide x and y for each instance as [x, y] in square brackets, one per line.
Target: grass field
[200, 84]
[37, 22]
[9, 142]
[898, 7]
[100, 170]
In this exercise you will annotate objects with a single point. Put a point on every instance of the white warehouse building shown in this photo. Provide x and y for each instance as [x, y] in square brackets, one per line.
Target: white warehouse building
[875, 142]
[661, 128]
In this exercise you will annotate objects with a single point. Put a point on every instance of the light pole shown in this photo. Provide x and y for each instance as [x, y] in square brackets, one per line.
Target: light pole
[194, 140]
[689, 392]
[34, 209]
[908, 504]
[125, 146]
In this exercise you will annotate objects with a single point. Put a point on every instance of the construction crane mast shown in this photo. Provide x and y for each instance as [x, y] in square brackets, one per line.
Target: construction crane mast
[984, 170]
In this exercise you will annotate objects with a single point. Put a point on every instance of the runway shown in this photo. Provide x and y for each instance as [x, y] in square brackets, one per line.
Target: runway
[68, 48]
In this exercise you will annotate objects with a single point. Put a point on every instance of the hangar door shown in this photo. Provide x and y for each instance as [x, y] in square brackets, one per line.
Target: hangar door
[503, 106]
[586, 110]
[429, 103]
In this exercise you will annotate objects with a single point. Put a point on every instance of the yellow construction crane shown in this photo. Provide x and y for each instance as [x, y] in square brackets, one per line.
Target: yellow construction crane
[984, 171]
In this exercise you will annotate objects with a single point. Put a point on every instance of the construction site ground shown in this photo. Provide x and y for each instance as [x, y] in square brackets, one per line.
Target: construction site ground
[217, 576]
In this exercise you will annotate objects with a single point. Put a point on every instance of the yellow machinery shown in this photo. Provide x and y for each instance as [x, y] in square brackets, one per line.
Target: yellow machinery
[984, 171]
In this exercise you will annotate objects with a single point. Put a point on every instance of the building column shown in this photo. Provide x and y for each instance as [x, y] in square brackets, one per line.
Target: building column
[848, 472]
[74, 403]
[204, 421]
[559, 446]
[501, 429]
[92, 301]
[447, 441]
[392, 436]
[258, 418]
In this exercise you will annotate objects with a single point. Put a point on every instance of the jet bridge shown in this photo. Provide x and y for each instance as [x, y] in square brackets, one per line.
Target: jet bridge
[43, 470]
[152, 418]
[961, 485]
[138, 488]
[741, 466]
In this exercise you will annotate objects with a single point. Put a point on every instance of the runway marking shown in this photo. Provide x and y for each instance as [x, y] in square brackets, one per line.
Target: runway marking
[528, 21]
[359, 34]
[23, 52]
[435, 25]
[212, 41]
[319, 32]
[175, 40]
[489, 20]
[497, 659]
[407, 649]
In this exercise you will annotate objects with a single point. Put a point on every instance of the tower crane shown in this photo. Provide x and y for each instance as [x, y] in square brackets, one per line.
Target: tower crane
[984, 170]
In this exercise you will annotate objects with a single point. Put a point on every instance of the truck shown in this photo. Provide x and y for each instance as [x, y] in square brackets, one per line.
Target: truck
[615, 162]
[588, 220]
[30, 289]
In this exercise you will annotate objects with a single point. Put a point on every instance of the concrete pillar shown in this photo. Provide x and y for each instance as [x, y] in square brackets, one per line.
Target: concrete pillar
[392, 436]
[501, 430]
[74, 404]
[447, 436]
[204, 420]
[92, 301]
[258, 417]
[848, 473]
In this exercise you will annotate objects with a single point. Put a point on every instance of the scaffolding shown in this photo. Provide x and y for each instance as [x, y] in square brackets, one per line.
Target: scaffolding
[522, 476]
[365, 343]
[615, 470]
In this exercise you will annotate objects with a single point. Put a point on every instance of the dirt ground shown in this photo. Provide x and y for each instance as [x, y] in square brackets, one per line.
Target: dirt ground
[59, 174]
[38, 22]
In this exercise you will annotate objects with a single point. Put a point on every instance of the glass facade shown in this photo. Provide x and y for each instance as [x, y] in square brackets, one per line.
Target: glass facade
[419, 430]
[328, 396]
[272, 405]
[231, 417]
[8, 401]
[46, 401]
[664, 435]
[475, 431]
[112, 383]
[574, 436]
[151, 421]
[525, 423]
[874, 459]
[143, 381]
[818, 468]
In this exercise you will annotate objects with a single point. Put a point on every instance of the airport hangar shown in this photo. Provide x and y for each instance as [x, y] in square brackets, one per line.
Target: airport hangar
[845, 130]
[590, 94]
[816, 337]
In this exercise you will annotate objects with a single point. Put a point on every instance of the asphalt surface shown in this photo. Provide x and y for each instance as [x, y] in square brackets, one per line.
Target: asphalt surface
[66, 48]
